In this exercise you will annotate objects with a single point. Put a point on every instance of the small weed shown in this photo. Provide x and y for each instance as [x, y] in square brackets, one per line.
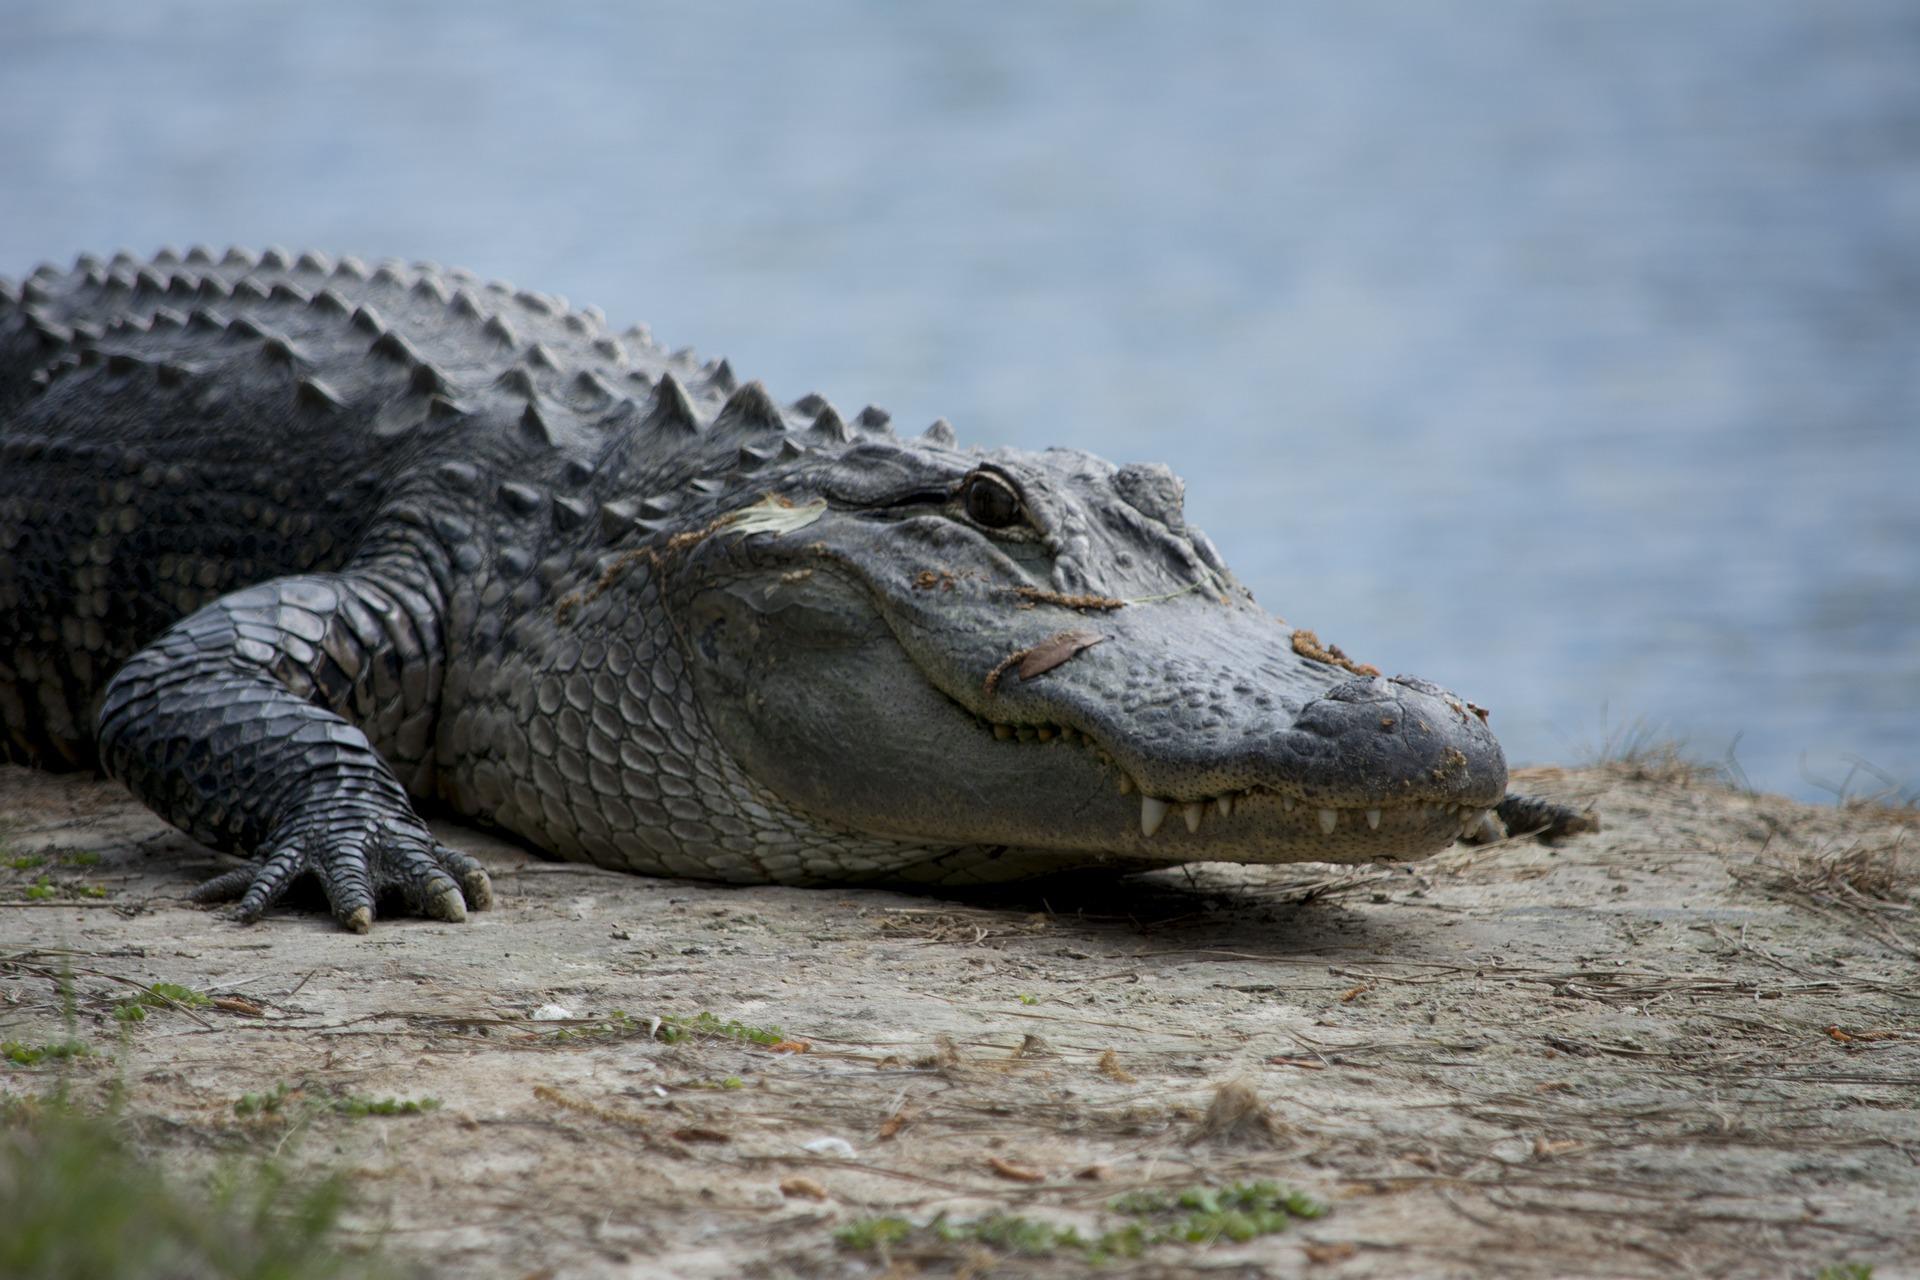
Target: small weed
[1844, 1271]
[275, 1102]
[82, 1203]
[255, 1104]
[171, 993]
[44, 889]
[674, 1029]
[83, 858]
[161, 995]
[615, 1025]
[31, 1055]
[1027, 999]
[730, 1082]
[26, 862]
[352, 1105]
[1197, 1216]
[868, 1234]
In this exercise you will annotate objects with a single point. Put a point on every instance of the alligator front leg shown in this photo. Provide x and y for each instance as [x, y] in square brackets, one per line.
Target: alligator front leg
[270, 724]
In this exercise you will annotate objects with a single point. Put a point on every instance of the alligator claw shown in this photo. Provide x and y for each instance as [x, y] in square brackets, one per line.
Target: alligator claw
[434, 880]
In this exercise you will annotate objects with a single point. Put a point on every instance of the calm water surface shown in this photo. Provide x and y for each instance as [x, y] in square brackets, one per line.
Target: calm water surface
[1568, 354]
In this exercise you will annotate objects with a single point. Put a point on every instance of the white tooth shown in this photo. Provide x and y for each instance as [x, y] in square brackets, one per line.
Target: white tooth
[1044, 733]
[1126, 785]
[1328, 821]
[1224, 804]
[1373, 819]
[1191, 812]
[1152, 814]
[1002, 731]
[1286, 804]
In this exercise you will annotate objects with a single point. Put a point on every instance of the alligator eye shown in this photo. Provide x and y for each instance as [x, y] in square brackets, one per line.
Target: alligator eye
[990, 501]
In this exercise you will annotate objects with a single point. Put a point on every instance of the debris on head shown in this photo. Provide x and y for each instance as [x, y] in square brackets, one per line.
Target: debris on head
[1308, 645]
[1036, 595]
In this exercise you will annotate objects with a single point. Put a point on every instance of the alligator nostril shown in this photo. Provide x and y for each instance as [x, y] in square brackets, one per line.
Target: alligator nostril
[1366, 689]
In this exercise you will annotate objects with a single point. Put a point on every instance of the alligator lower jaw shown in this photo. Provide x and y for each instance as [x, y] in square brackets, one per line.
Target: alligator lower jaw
[1268, 827]
[1434, 824]
[1291, 825]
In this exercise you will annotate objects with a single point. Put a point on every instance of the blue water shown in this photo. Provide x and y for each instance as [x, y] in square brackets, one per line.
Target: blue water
[1568, 354]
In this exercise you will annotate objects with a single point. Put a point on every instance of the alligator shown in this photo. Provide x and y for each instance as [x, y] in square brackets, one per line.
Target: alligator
[295, 547]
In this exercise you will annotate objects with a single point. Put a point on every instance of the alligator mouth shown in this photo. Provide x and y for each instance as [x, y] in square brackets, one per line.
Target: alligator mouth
[1278, 808]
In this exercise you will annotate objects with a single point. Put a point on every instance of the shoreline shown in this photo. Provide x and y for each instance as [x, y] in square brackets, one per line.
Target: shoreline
[1690, 1042]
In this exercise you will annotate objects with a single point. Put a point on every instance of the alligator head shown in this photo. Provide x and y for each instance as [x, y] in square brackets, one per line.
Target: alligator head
[1036, 652]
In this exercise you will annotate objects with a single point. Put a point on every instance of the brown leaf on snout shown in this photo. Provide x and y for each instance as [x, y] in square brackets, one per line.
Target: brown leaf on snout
[1054, 650]
[1045, 656]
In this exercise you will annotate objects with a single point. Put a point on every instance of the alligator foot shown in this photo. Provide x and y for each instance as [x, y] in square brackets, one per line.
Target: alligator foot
[1519, 815]
[355, 868]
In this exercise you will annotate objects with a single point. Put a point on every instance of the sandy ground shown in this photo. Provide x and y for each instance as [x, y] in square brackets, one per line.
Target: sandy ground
[1689, 1045]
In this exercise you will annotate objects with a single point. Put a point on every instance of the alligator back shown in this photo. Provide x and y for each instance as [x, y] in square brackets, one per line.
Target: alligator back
[173, 430]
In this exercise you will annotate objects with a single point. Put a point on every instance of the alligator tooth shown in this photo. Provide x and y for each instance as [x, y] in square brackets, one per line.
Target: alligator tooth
[1328, 821]
[1044, 733]
[1152, 814]
[1191, 812]
[1002, 731]
[1373, 819]
[1024, 733]
[1126, 784]
[1286, 804]
[1224, 803]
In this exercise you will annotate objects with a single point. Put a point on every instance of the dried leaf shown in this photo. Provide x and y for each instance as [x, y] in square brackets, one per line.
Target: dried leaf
[801, 1186]
[1322, 1254]
[1054, 650]
[1014, 1172]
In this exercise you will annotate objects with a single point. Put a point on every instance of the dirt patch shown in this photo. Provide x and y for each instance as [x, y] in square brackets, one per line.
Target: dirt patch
[1686, 1045]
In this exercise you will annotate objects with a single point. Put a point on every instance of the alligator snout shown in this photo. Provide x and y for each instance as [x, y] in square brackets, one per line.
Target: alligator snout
[1387, 738]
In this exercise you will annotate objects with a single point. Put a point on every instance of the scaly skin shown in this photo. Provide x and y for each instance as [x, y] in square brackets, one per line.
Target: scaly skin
[291, 545]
